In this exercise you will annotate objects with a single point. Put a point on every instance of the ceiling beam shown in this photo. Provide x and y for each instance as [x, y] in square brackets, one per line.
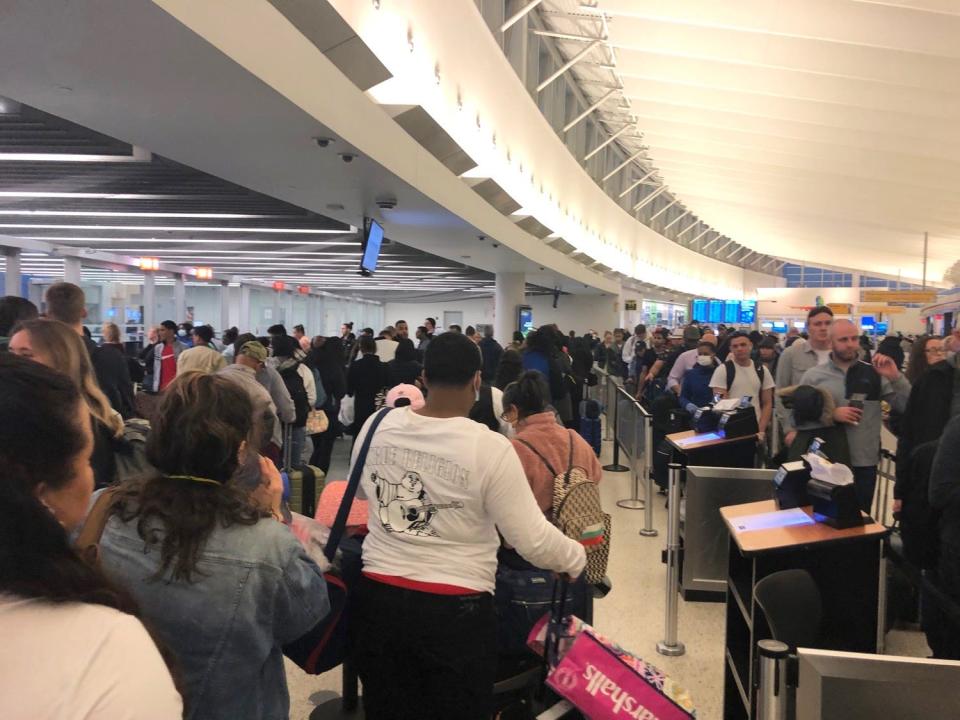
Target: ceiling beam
[568, 64]
[519, 15]
[576, 121]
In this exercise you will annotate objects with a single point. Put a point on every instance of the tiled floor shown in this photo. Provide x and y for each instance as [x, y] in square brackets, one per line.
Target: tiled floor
[632, 614]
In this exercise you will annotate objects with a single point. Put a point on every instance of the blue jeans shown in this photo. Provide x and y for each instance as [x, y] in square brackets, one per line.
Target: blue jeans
[864, 483]
[298, 438]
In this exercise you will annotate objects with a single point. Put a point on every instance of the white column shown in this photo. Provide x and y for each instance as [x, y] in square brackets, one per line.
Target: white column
[288, 310]
[275, 317]
[149, 297]
[508, 294]
[71, 270]
[244, 322]
[12, 273]
[312, 324]
[179, 299]
[224, 305]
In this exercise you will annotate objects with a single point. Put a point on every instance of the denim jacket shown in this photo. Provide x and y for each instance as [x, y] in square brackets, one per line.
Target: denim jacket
[254, 590]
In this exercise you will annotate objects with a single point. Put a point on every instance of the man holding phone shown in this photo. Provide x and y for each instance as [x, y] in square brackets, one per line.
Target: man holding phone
[857, 388]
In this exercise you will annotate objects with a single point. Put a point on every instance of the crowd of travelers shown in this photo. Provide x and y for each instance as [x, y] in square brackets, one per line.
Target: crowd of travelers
[194, 583]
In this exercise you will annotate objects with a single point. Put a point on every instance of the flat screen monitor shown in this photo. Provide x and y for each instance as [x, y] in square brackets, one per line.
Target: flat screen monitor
[524, 319]
[700, 310]
[715, 311]
[835, 685]
[881, 328]
[372, 240]
[867, 322]
[731, 311]
[748, 312]
[779, 327]
[766, 325]
[134, 314]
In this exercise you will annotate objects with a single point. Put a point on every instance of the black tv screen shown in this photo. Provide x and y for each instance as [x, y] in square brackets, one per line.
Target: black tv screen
[372, 240]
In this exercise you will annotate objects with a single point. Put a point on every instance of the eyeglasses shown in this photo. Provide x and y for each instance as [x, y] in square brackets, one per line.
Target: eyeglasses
[935, 351]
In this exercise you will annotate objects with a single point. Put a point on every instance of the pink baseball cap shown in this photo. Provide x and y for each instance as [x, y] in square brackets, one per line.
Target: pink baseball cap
[410, 392]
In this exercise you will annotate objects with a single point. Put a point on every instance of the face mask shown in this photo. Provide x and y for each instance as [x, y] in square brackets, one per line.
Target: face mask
[704, 360]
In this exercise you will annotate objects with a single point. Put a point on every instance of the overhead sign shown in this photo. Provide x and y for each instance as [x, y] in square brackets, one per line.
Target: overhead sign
[900, 296]
[841, 308]
[882, 309]
[629, 304]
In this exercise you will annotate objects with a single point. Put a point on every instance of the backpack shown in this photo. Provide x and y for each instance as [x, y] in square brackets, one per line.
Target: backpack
[732, 373]
[578, 514]
[298, 393]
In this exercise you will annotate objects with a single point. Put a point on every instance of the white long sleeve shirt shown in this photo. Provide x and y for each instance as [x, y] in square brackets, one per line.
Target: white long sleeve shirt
[439, 489]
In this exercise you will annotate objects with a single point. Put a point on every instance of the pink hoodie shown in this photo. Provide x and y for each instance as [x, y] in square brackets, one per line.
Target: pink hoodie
[552, 440]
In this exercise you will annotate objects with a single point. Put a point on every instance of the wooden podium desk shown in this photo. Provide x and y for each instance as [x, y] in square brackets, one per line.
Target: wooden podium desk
[707, 449]
[845, 565]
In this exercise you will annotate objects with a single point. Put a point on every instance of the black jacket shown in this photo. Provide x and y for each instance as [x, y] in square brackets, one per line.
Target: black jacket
[113, 376]
[367, 376]
[926, 415]
[491, 351]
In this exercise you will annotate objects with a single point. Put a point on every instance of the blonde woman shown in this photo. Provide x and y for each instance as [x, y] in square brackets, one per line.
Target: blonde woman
[58, 346]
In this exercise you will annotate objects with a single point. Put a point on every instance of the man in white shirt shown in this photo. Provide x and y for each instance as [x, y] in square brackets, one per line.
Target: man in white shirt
[629, 351]
[747, 380]
[440, 488]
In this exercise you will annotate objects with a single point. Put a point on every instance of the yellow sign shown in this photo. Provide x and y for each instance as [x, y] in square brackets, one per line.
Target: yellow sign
[882, 309]
[841, 308]
[900, 296]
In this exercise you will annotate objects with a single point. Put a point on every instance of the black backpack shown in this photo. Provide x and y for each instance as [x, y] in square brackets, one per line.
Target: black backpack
[298, 392]
[732, 373]
[482, 410]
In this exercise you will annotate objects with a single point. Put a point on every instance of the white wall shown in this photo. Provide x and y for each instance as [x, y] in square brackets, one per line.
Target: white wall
[574, 312]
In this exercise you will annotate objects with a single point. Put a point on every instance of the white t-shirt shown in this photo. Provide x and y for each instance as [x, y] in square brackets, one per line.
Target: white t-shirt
[746, 382]
[386, 349]
[439, 490]
[77, 661]
[822, 355]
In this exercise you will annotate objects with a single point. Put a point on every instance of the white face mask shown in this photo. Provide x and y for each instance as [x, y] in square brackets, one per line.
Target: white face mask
[705, 360]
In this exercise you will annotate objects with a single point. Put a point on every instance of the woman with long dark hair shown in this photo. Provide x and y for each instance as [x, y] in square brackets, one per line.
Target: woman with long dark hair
[925, 352]
[72, 647]
[224, 584]
[405, 368]
[327, 357]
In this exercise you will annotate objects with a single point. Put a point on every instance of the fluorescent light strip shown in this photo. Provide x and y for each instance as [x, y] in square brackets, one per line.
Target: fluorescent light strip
[180, 228]
[94, 196]
[98, 213]
[71, 157]
[196, 241]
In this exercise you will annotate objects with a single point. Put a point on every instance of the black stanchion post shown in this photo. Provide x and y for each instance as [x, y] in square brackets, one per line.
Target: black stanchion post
[615, 466]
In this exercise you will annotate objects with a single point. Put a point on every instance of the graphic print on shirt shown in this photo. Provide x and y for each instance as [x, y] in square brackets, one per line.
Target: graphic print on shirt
[405, 507]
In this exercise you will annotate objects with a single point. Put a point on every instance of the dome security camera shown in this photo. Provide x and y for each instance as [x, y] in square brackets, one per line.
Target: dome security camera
[323, 141]
[347, 157]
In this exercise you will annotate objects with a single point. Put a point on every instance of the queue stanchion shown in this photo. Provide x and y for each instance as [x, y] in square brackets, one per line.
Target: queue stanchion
[772, 692]
[670, 646]
[774, 438]
[634, 502]
[608, 384]
[648, 530]
[615, 466]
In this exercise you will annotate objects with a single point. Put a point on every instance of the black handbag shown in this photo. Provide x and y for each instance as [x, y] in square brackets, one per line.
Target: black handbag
[325, 646]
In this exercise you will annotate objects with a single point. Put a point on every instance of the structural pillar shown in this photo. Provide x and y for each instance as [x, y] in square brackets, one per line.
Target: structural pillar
[275, 316]
[508, 293]
[224, 305]
[244, 322]
[312, 315]
[71, 270]
[149, 299]
[179, 298]
[12, 274]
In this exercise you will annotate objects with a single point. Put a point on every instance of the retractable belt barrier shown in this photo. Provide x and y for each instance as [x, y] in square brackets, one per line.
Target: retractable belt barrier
[670, 646]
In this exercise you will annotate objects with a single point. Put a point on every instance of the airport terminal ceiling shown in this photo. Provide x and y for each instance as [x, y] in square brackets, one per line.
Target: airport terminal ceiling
[816, 165]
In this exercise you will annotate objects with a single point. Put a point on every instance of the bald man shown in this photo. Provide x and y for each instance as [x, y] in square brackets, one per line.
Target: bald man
[857, 388]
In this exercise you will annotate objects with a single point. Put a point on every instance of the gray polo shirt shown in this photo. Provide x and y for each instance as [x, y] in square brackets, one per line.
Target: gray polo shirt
[864, 438]
[793, 363]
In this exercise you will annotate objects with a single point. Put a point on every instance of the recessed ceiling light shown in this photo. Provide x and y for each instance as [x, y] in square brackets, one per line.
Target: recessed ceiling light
[180, 228]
